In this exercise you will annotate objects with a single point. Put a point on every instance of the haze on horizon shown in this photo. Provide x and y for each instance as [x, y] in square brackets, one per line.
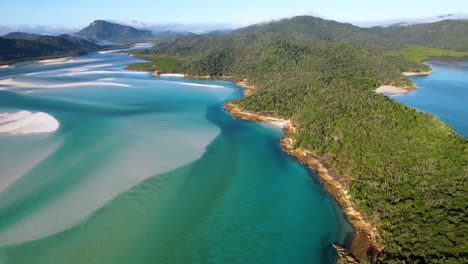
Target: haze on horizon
[207, 15]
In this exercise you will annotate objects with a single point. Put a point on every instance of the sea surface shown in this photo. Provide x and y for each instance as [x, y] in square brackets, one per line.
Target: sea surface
[151, 170]
[443, 93]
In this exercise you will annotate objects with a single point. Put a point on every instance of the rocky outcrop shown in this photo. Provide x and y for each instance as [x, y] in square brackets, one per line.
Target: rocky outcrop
[156, 73]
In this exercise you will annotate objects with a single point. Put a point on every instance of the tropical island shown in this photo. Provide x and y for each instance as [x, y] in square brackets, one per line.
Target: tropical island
[404, 197]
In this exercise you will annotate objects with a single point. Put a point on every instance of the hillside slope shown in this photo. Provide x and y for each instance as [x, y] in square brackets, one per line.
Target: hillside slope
[447, 34]
[12, 50]
[21, 35]
[101, 30]
[327, 30]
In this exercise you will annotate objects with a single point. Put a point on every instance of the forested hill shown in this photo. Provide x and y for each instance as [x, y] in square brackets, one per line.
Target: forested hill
[448, 34]
[101, 30]
[406, 169]
[328, 30]
[20, 35]
[12, 50]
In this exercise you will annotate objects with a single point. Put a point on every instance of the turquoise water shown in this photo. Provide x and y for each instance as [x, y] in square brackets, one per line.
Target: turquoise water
[151, 170]
[443, 93]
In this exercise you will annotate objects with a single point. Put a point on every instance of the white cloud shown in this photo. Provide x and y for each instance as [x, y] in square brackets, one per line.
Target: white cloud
[410, 21]
[39, 29]
[157, 27]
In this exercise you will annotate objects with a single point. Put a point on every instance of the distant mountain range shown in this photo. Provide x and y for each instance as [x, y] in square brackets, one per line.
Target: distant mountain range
[17, 49]
[446, 34]
[449, 34]
[410, 21]
[21, 35]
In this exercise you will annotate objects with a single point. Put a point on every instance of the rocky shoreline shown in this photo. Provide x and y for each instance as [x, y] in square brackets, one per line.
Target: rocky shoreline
[365, 242]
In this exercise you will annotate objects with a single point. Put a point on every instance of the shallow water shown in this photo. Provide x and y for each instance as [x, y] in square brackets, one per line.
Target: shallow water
[443, 93]
[151, 170]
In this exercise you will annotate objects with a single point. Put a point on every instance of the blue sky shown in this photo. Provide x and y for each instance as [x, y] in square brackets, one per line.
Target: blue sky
[238, 12]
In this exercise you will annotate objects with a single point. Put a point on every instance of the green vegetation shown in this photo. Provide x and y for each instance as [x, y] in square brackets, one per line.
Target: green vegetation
[448, 34]
[14, 50]
[420, 53]
[327, 30]
[161, 63]
[407, 170]
[21, 35]
[101, 30]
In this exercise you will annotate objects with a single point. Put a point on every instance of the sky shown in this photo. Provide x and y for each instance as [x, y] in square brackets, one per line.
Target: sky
[67, 15]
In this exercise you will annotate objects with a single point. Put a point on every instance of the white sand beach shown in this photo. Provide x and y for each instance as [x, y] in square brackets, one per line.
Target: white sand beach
[200, 85]
[65, 85]
[280, 124]
[107, 51]
[409, 74]
[6, 67]
[178, 75]
[25, 122]
[390, 90]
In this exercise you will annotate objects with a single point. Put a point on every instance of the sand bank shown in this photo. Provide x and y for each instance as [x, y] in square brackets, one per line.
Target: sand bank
[178, 75]
[15, 83]
[6, 66]
[25, 122]
[107, 51]
[65, 60]
[20, 84]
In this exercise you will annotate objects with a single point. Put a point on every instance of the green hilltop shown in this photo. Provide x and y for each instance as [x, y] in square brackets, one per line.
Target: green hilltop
[21, 35]
[447, 34]
[327, 30]
[101, 30]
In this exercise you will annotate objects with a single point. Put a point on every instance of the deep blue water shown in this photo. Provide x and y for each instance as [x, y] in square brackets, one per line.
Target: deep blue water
[443, 93]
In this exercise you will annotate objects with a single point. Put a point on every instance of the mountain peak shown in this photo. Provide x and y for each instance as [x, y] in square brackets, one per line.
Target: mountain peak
[101, 30]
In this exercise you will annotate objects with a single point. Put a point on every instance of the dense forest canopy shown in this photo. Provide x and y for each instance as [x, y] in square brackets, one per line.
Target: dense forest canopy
[407, 170]
[447, 34]
[43, 46]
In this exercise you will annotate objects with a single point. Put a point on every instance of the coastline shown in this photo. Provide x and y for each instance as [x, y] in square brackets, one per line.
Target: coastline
[396, 90]
[366, 241]
[366, 235]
